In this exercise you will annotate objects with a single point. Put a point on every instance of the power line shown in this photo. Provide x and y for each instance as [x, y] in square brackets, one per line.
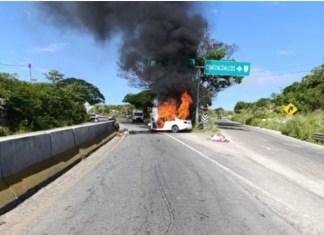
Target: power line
[15, 65]
[19, 65]
[294, 66]
[260, 73]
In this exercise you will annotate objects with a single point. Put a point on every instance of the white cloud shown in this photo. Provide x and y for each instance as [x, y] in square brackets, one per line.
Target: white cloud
[273, 3]
[285, 52]
[214, 11]
[54, 47]
[260, 84]
[27, 13]
[263, 80]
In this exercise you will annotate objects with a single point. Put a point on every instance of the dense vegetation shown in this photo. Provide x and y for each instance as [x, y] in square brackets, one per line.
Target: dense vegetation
[141, 100]
[307, 95]
[40, 106]
[112, 110]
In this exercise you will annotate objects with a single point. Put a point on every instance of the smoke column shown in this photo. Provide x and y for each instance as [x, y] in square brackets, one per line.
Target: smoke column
[167, 31]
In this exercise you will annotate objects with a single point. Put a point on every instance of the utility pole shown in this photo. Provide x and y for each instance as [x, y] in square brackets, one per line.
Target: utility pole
[30, 77]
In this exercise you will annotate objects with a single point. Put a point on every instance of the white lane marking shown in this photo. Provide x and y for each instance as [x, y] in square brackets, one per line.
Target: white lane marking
[266, 147]
[244, 180]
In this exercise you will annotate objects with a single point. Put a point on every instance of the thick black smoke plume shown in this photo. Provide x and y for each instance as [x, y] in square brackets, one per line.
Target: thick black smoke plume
[165, 31]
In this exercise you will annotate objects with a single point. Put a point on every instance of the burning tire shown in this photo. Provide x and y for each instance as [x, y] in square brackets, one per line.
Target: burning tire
[175, 129]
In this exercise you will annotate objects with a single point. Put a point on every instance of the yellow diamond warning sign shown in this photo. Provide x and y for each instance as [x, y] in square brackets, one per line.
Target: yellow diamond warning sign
[290, 109]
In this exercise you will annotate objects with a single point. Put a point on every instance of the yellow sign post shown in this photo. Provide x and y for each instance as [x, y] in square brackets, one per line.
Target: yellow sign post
[290, 109]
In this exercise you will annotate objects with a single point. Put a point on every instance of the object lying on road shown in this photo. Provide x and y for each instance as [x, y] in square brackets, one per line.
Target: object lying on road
[122, 132]
[218, 138]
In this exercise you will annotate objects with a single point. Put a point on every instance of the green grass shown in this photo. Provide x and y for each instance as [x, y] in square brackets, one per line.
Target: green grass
[304, 126]
[4, 131]
[210, 126]
[300, 126]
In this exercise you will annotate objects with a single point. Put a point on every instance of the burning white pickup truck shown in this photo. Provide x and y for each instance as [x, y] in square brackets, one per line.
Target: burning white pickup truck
[168, 116]
[175, 126]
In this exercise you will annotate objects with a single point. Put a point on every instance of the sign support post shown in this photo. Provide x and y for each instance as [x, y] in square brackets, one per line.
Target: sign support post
[197, 99]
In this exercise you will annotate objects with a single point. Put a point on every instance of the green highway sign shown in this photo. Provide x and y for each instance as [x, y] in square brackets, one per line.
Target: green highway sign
[225, 67]
[151, 62]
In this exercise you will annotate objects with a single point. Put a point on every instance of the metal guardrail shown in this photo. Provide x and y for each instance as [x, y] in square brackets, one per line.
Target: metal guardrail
[319, 136]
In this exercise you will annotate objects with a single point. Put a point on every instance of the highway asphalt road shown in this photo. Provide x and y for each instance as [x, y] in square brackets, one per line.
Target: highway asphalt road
[165, 183]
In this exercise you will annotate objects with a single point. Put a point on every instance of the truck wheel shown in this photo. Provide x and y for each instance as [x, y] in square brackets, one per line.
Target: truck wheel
[175, 129]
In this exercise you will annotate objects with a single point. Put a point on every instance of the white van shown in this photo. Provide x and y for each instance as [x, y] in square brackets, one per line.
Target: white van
[138, 115]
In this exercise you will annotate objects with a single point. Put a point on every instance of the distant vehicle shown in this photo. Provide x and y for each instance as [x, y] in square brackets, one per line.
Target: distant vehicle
[93, 117]
[175, 126]
[138, 115]
[112, 118]
[219, 117]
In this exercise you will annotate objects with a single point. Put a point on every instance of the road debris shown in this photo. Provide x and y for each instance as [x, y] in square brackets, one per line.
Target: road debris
[122, 132]
[218, 138]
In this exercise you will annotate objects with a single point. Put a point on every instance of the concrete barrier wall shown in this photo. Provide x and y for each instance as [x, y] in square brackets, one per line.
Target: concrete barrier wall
[84, 133]
[109, 127]
[18, 154]
[62, 140]
[1, 176]
[27, 161]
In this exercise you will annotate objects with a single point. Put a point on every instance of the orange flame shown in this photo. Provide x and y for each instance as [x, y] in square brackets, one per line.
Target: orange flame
[168, 110]
[186, 101]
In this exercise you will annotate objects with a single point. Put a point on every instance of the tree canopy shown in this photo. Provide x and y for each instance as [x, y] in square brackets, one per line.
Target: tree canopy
[84, 91]
[141, 100]
[210, 85]
[54, 76]
[307, 95]
[40, 106]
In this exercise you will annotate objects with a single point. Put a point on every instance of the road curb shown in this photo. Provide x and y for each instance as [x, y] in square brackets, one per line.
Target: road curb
[278, 133]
